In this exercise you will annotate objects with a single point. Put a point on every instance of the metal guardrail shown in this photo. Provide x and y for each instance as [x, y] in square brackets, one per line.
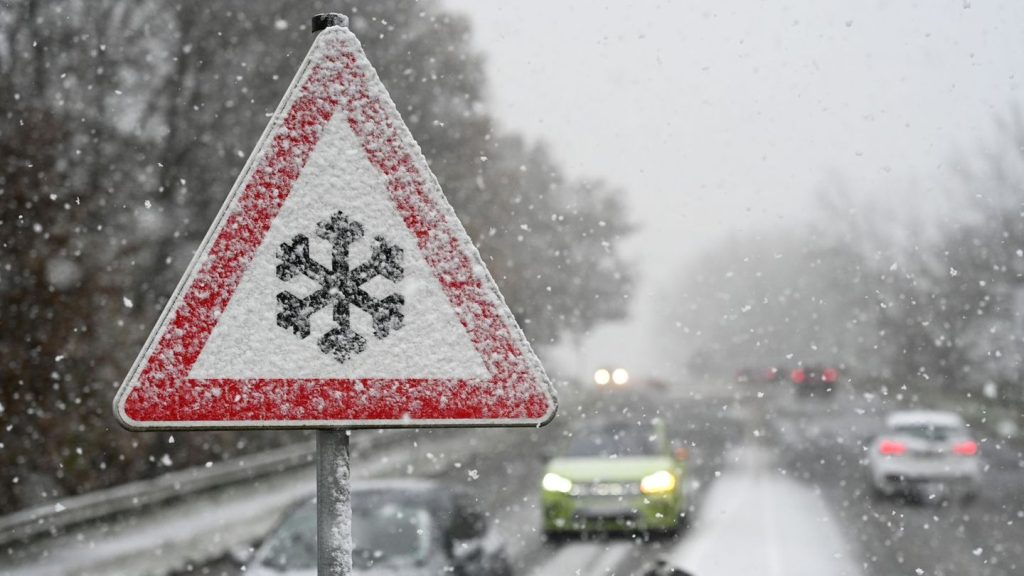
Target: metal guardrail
[51, 518]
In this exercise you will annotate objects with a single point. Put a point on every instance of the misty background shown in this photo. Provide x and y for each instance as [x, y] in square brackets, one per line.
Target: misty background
[679, 190]
[725, 120]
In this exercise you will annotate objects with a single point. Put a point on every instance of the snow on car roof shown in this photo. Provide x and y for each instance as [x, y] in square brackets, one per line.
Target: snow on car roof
[924, 417]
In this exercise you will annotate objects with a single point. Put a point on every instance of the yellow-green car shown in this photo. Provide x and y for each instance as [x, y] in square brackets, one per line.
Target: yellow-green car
[612, 477]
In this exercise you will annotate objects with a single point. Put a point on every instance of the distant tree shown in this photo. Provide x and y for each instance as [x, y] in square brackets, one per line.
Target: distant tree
[123, 124]
[924, 302]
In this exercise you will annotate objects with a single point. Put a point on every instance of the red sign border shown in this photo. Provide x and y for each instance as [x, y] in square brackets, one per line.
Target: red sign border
[158, 394]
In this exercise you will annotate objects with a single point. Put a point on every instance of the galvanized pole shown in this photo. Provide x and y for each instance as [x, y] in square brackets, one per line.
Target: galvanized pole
[333, 475]
[333, 504]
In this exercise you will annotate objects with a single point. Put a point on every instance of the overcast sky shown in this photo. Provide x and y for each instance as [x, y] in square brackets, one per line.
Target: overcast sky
[723, 117]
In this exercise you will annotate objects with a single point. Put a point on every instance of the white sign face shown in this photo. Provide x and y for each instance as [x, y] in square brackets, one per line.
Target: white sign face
[247, 342]
[336, 288]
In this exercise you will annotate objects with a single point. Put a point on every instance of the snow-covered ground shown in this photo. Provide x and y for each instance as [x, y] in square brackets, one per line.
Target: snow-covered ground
[756, 521]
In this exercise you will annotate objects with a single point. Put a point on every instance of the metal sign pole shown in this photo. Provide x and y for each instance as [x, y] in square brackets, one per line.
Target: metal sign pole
[333, 475]
[333, 504]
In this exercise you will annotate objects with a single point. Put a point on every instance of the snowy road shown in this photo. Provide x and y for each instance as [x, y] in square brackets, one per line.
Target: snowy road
[781, 492]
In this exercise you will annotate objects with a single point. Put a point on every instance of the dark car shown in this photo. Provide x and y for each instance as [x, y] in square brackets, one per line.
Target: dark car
[761, 375]
[409, 527]
[815, 379]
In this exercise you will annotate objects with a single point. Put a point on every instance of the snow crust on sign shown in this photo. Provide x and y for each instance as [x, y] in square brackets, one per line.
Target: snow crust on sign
[181, 379]
[248, 343]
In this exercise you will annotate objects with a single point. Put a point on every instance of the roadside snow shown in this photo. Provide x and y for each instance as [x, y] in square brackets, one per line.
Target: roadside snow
[756, 521]
[200, 528]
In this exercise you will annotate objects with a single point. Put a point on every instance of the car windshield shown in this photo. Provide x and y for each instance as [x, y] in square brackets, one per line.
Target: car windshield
[612, 443]
[385, 532]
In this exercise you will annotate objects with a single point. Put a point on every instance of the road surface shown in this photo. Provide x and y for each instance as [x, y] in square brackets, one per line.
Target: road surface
[776, 484]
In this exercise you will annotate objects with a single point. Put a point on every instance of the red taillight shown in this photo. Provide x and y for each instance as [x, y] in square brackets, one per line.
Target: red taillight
[966, 448]
[798, 376]
[892, 448]
[830, 375]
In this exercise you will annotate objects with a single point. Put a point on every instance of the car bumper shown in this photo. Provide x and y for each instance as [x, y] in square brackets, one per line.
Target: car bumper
[895, 475]
[566, 514]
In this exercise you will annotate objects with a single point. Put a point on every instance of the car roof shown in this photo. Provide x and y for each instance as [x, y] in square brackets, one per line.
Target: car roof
[405, 485]
[615, 426]
[924, 418]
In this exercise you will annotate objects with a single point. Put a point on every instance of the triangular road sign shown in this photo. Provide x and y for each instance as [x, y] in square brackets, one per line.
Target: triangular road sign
[336, 287]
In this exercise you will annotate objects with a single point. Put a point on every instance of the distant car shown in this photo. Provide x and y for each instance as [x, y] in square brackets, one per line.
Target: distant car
[409, 527]
[614, 476]
[814, 380]
[762, 375]
[925, 452]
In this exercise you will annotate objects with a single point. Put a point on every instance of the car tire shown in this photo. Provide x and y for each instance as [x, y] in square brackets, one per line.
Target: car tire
[555, 538]
[503, 568]
[969, 496]
[682, 523]
[876, 493]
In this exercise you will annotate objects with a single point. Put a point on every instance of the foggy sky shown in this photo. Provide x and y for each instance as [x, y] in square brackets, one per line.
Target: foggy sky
[724, 117]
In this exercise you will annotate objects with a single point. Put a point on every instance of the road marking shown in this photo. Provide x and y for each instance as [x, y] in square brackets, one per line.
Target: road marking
[570, 560]
[605, 564]
[781, 526]
[768, 512]
[586, 559]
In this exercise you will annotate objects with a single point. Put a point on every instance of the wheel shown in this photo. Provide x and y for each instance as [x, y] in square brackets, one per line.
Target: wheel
[969, 494]
[682, 522]
[876, 492]
[501, 568]
[555, 537]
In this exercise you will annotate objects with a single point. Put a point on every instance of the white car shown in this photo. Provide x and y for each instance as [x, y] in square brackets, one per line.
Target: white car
[924, 454]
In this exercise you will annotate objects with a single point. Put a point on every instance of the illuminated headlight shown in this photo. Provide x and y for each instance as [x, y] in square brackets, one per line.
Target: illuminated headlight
[660, 481]
[554, 483]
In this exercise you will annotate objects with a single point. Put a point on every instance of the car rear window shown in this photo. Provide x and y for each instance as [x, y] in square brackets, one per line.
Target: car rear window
[928, 431]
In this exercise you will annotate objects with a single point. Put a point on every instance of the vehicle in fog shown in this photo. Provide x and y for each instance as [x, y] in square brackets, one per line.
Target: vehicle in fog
[760, 375]
[402, 526]
[924, 453]
[814, 379]
[614, 476]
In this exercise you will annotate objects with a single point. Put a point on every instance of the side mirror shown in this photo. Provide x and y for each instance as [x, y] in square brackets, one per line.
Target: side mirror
[466, 551]
[467, 524]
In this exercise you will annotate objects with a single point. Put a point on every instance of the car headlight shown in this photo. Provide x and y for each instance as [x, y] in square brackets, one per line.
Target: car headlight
[554, 483]
[660, 481]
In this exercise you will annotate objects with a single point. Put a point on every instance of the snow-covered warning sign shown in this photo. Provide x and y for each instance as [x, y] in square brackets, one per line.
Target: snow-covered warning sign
[336, 287]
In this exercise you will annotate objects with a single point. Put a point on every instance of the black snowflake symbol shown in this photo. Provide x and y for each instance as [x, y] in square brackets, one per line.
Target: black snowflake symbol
[340, 286]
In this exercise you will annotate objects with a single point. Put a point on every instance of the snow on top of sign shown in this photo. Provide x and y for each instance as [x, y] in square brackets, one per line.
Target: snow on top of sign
[170, 384]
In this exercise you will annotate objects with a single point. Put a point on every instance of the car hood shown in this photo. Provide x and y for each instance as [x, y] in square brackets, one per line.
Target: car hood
[264, 571]
[609, 469]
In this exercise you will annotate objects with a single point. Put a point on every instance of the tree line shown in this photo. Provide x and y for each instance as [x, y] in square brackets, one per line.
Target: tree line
[923, 294]
[123, 126]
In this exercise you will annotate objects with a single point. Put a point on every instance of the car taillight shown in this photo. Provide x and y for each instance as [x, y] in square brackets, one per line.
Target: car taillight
[797, 376]
[891, 448]
[830, 375]
[966, 448]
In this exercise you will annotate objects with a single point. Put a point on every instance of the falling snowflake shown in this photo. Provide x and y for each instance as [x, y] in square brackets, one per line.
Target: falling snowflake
[340, 286]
